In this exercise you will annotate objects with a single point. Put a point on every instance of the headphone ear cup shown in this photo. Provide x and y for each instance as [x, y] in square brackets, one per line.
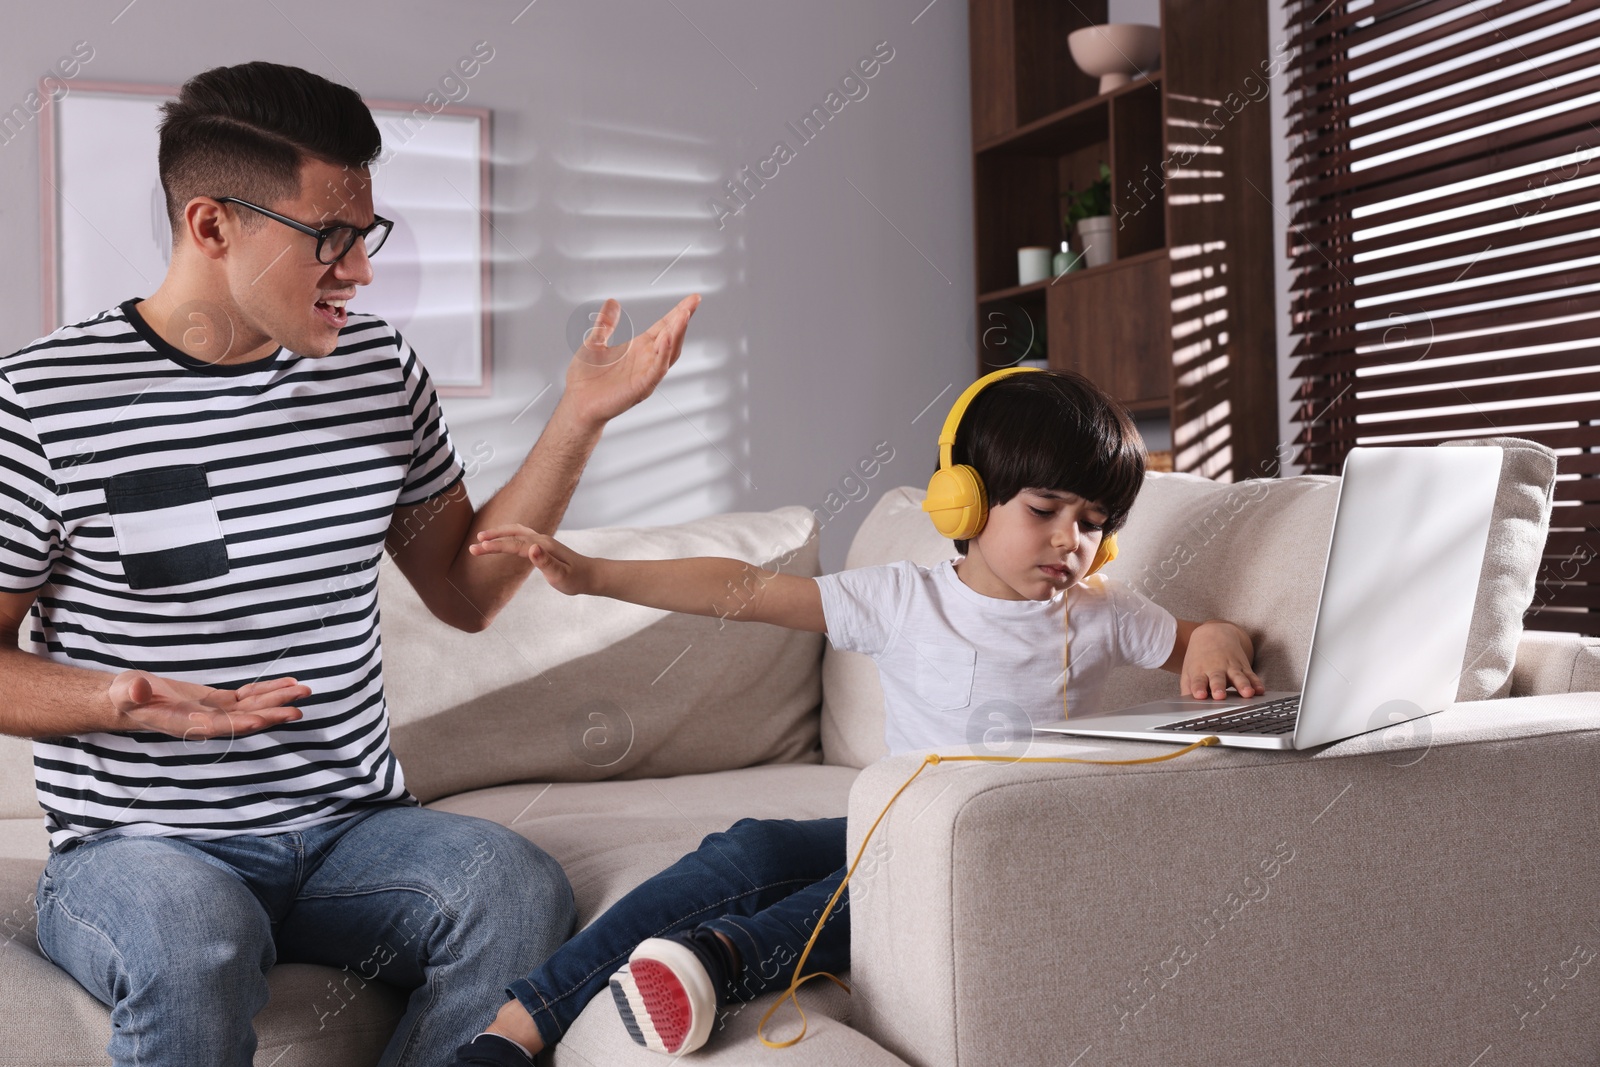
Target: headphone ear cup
[1105, 554]
[957, 502]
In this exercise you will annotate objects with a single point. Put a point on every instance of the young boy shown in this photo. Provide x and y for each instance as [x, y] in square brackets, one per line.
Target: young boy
[1061, 464]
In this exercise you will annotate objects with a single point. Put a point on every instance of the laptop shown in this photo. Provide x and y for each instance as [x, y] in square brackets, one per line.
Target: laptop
[1409, 533]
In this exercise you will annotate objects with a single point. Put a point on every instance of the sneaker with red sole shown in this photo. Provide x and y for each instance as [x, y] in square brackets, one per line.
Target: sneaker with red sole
[665, 997]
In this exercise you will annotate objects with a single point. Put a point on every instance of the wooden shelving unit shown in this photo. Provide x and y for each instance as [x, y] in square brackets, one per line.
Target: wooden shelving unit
[1181, 322]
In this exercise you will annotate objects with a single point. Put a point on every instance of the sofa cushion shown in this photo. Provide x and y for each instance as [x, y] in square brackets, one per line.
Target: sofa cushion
[23, 850]
[1517, 535]
[17, 797]
[610, 836]
[563, 689]
[1555, 663]
[1251, 552]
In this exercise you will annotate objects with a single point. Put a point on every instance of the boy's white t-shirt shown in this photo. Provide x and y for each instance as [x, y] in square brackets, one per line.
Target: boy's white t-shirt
[955, 664]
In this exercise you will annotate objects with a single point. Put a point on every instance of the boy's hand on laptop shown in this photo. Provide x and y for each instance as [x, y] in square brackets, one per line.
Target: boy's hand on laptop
[1219, 655]
[567, 571]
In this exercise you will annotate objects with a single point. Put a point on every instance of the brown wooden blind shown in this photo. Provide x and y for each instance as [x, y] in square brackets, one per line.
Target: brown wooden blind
[1444, 171]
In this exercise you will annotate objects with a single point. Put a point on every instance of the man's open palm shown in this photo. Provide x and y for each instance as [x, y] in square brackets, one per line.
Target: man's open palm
[198, 712]
[605, 380]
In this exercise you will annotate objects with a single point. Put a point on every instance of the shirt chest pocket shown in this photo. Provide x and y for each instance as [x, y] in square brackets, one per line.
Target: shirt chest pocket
[944, 674]
[166, 526]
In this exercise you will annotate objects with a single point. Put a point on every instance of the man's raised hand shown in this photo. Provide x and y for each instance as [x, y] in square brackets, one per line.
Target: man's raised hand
[145, 701]
[604, 380]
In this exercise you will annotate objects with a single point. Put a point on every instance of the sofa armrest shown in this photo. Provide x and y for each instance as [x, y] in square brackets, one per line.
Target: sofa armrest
[1555, 663]
[1392, 901]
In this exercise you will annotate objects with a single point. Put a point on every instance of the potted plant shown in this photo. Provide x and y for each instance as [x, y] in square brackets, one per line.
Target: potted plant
[1088, 211]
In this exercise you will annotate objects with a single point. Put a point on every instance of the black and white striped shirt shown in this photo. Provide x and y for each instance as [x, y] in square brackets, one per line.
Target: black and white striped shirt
[214, 524]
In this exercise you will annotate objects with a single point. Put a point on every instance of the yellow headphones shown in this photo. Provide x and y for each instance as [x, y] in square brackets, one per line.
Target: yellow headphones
[956, 500]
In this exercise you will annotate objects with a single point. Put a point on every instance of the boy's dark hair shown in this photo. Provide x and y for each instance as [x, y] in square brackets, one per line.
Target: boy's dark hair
[1052, 430]
[242, 131]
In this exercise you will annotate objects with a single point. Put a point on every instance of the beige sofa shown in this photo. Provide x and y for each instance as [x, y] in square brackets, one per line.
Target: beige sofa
[1414, 895]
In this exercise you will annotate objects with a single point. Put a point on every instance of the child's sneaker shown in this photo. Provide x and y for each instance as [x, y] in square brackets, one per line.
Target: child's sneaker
[667, 991]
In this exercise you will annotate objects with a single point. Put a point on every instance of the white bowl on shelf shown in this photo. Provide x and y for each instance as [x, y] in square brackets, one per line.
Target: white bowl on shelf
[1114, 53]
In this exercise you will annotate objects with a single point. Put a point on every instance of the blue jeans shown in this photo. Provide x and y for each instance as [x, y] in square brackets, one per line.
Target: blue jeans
[176, 935]
[763, 884]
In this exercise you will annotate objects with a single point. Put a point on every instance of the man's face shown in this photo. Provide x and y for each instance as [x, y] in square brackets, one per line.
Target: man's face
[276, 282]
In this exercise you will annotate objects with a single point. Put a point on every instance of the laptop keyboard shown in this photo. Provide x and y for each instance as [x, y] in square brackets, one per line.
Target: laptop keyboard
[1273, 717]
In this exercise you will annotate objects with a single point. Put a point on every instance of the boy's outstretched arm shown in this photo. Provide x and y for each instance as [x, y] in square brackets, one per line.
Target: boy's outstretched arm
[1210, 656]
[706, 585]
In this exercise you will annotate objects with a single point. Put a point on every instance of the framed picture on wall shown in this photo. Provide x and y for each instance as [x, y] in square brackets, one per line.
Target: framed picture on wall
[106, 237]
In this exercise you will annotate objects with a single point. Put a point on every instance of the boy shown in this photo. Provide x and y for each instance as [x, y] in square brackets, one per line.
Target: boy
[1061, 464]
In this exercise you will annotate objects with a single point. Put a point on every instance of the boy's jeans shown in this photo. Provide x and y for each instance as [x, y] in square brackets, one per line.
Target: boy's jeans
[176, 935]
[763, 883]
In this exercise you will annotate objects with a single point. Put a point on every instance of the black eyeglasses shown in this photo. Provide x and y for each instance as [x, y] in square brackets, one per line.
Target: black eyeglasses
[333, 242]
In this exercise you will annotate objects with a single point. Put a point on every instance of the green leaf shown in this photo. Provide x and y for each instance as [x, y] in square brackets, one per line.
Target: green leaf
[1087, 203]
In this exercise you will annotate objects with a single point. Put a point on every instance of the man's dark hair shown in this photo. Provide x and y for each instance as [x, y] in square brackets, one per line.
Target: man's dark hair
[242, 131]
[1052, 430]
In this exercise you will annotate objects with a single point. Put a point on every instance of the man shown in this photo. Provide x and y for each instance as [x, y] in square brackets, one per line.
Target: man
[197, 489]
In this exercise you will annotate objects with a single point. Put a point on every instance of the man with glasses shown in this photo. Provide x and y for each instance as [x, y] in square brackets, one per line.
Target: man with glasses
[198, 488]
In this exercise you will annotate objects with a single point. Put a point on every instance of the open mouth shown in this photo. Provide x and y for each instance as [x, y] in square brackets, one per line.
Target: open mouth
[333, 312]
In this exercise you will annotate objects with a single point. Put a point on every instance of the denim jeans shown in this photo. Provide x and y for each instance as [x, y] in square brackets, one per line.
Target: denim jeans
[763, 883]
[176, 935]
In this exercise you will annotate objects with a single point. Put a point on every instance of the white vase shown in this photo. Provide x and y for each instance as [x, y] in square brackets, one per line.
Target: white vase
[1098, 239]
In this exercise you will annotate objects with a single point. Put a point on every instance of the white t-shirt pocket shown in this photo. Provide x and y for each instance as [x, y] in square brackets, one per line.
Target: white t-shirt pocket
[166, 527]
[944, 674]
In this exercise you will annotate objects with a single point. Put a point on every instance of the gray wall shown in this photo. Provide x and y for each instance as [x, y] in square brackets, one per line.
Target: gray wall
[837, 302]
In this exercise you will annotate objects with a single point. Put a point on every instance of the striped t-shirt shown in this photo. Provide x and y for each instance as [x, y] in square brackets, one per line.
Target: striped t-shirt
[221, 525]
